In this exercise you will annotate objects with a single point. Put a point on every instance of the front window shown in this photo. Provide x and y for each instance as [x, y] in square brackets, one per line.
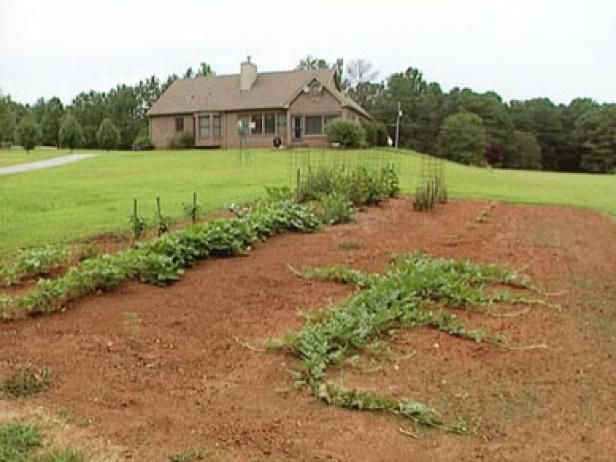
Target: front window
[314, 125]
[282, 125]
[179, 124]
[269, 123]
[204, 126]
[216, 131]
[256, 124]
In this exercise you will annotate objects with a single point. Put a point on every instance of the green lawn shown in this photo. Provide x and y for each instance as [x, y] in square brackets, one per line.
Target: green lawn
[95, 195]
[17, 155]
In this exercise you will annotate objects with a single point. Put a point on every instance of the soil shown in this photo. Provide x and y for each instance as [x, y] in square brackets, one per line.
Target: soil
[156, 371]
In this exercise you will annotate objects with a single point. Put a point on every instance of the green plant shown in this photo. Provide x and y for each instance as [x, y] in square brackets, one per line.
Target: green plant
[142, 141]
[345, 133]
[137, 222]
[190, 456]
[192, 209]
[108, 135]
[88, 250]
[347, 246]
[18, 441]
[183, 140]
[335, 208]
[63, 455]
[279, 193]
[32, 262]
[28, 134]
[26, 380]
[71, 133]
[162, 222]
[402, 297]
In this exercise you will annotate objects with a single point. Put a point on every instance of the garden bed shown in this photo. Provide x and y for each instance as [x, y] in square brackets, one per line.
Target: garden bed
[158, 371]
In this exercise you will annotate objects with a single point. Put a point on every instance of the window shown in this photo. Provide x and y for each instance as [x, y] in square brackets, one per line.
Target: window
[216, 132]
[269, 123]
[179, 124]
[204, 126]
[282, 125]
[256, 124]
[314, 125]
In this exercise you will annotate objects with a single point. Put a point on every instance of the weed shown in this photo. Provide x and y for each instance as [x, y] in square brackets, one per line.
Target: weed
[347, 246]
[87, 251]
[130, 321]
[27, 380]
[189, 456]
[63, 455]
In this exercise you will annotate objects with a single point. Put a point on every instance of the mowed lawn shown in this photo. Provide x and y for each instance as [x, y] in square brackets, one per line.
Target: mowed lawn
[93, 196]
[18, 155]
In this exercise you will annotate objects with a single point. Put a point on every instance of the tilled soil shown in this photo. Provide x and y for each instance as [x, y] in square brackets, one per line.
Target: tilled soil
[156, 371]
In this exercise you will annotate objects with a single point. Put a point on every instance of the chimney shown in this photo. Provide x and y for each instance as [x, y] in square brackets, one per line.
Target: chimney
[248, 74]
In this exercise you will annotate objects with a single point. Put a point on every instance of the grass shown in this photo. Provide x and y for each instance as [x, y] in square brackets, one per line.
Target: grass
[26, 380]
[17, 155]
[21, 442]
[95, 196]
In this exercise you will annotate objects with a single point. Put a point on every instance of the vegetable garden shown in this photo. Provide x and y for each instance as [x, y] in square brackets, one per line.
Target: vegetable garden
[187, 345]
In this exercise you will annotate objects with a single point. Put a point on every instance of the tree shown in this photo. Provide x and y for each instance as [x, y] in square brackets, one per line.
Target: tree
[50, 122]
[463, 138]
[523, 151]
[7, 119]
[204, 70]
[89, 109]
[28, 134]
[108, 135]
[123, 108]
[595, 132]
[360, 71]
[71, 133]
[310, 62]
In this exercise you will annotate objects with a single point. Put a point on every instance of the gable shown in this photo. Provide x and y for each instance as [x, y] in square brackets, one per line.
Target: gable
[315, 98]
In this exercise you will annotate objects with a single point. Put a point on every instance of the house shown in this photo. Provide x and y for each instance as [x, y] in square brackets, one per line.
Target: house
[251, 108]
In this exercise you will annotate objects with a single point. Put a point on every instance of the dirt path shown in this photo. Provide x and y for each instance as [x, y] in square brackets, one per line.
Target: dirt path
[42, 164]
[158, 371]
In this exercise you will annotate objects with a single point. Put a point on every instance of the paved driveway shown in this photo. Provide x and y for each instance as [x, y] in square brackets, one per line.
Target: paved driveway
[41, 164]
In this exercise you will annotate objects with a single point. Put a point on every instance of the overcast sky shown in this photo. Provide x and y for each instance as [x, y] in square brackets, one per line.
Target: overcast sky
[521, 49]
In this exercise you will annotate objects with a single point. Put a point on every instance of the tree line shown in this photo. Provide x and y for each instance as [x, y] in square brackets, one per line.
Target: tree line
[460, 124]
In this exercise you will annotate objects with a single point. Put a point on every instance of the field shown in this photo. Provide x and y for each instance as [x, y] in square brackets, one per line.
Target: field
[95, 196]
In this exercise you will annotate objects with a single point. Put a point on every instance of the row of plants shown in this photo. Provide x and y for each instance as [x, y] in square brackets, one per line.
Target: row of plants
[32, 262]
[163, 260]
[404, 296]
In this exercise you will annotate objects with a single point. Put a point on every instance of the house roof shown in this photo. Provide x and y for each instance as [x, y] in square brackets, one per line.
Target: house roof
[222, 93]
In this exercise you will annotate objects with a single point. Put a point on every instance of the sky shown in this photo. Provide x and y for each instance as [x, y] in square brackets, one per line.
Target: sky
[520, 49]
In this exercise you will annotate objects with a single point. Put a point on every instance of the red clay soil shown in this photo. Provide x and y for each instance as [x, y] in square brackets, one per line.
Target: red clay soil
[157, 371]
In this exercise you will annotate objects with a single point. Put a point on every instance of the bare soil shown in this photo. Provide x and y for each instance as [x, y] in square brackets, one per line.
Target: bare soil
[156, 371]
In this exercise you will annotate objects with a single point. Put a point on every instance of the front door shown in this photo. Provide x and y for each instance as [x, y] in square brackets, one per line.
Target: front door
[297, 128]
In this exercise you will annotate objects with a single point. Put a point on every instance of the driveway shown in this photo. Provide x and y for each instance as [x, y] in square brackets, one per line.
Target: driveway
[41, 164]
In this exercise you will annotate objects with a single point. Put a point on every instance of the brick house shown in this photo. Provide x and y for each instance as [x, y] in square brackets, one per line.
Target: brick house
[251, 107]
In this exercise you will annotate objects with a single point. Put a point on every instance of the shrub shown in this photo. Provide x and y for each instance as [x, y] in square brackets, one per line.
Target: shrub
[71, 133]
[183, 140]
[523, 151]
[376, 133]
[28, 134]
[142, 141]
[108, 135]
[346, 133]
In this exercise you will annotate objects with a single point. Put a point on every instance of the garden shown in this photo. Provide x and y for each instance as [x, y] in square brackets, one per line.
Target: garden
[329, 317]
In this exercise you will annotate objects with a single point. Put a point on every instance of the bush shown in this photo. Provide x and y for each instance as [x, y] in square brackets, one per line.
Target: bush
[463, 138]
[142, 141]
[71, 133]
[335, 208]
[184, 140]
[108, 135]
[376, 134]
[28, 134]
[346, 133]
[523, 151]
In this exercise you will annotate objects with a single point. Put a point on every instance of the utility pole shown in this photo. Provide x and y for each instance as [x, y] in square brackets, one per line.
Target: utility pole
[398, 125]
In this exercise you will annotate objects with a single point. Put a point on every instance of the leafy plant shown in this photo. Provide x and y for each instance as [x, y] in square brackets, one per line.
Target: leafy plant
[335, 208]
[162, 222]
[403, 296]
[137, 222]
[18, 441]
[192, 209]
[33, 262]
